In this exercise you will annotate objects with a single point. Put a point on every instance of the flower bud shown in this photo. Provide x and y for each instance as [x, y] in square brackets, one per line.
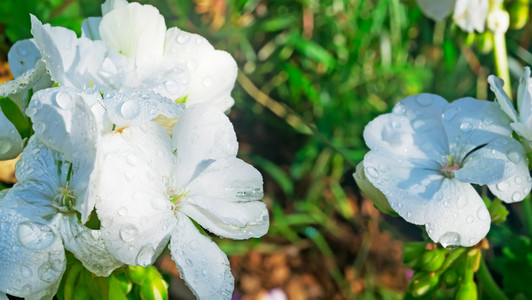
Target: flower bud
[374, 194]
[519, 14]
[422, 283]
[433, 260]
[450, 277]
[467, 291]
[137, 274]
[412, 253]
[154, 287]
[484, 42]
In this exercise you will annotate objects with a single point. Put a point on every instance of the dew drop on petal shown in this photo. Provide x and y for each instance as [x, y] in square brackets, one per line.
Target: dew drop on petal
[129, 175]
[516, 196]
[128, 232]
[450, 113]
[5, 146]
[450, 239]
[129, 110]
[21, 51]
[63, 100]
[514, 157]
[191, 65]
[207, 81]
[482, 213]
[31, 111]
[122, 211]
[171, 86]
[501, 186]
[189, 262]
[47, 272]
[372, 172]
[422, 100]
[466, 127]
[470, 219]
[25, 271]
[145, 255]
[462, 201]
[399, 110]
[35, 236]
[39, 127]
[183, 38]
[518, 180]
[132, 160]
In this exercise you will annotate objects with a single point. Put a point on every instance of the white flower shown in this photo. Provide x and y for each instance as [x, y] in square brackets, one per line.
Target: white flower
[426, 154]
[72, 122]
[29, 73]
[39, 220]
[131, 47]
[151, 186]
[467, 14]
[522, 123]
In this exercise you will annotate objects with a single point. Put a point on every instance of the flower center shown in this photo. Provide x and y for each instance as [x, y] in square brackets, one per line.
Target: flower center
[449, 167]
[176, 197]
[65, 200]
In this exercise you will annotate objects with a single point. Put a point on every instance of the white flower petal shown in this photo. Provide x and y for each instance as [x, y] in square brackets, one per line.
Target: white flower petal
[203, 133]
[90, 28]
[460, 219]
[471, 14]
[17, 90]
[225, 198]
[57, 46]
[413, 129]
[109, 5]
[135, 212]
[11, 143]
[3, 296]
[470, 123]
[22, 57]
[496, 86]
[39, 163]
[409, 190]
[524, 98]
[436, 10]
[517, 181]
[31, 256]
[131, 107]
[32, 199]
[135, 30]
[213, 72]
[88, 246]
[203, 266]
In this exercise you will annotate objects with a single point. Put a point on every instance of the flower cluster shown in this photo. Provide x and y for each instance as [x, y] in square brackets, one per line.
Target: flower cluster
[426, 154]
[132, 136]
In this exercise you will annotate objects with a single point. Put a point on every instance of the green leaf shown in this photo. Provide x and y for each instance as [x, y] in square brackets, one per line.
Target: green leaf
[15, 116]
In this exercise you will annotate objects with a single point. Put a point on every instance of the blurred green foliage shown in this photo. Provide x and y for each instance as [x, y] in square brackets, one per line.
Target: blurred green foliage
[329, 66]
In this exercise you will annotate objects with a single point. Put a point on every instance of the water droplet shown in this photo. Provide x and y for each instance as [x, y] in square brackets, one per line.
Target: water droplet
[516, 196]
[191, 65]
[31, 111]
[171, 86]
[472, 241]
[21, 51]
[372, 172]
[450, 239]
[399, 110]
[424, 100]
[129, 110]
[470, 219]
[462, 201]
[145, 255]
[501, 186]
[207, 81]
[450, 113]
[518, 180]
[132, 160]
[466, 127]
[63, 100]
[487, 120]
[5, 146]
[35, 236]
[395, 124]
[129, 175]
[25, 271]
[48, 273]
[122, 211]
[482, 213]
[189, 262]
[39, 127]
[408, 214]
[514, 157]
[26, 290]
[183, 38]
[128, 232]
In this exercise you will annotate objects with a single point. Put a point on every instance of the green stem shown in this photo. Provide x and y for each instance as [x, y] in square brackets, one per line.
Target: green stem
[501, 61]
[527, 211]
[484, 276]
